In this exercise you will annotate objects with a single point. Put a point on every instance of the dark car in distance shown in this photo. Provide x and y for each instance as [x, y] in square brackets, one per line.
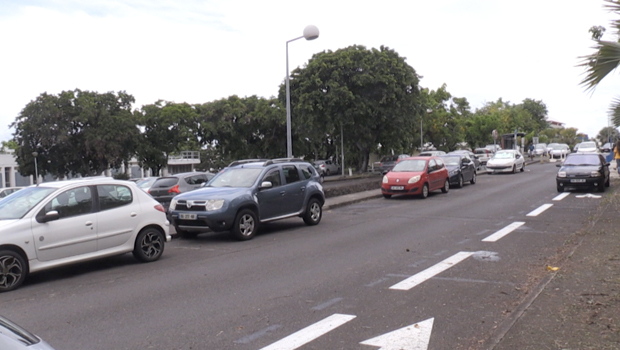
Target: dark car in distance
[165, 188]
[387, 163]
[461, 169]
[241, 197]
[583, 170]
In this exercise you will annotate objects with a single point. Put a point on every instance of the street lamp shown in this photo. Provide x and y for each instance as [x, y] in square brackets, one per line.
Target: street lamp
[310, 33]
[36, 169]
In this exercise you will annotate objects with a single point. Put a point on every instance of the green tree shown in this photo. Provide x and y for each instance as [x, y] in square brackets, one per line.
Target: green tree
[608, 134]
[372, 95]
[444, 122]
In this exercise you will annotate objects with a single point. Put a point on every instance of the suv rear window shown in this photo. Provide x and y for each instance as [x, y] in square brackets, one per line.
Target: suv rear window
[166, 182]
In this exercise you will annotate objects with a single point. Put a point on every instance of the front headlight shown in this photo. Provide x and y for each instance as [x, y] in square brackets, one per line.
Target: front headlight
[385, 180]
[214, 204]
[173, 204]
[414, 179]
[454, 172]
[561, 173]
[595, 174]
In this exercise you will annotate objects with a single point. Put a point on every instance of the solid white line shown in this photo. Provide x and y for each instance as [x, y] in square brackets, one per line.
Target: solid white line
[506, 230]
[540, 209]
[431, 271]
[310, 333]
[561, 196]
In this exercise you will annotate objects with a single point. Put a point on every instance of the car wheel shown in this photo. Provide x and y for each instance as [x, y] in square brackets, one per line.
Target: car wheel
[560, 188]
[13, 270]
[186, 234]
[460, 183]
[446, 186]
[601, 187]
[327, 172]
[314, 213]
[387, 196]
[523, 167]
[149, 245]
[424, 193]
[473, 179]
[514, 169]
[246, 225]
[607, 183]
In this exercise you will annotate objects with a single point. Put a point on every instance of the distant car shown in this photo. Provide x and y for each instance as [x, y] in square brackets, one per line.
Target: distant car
[165, 188]
[540, 149]
[327, 167]
[244, 196]
[461, 169]
[559, 151]
[8, 190]
[587, 147]
[469, 154]
[61, 222]
[607, 147]
[483, 154]
[387, 163]
[145, 183]
[416, 176]
[431, 153]
[576, 147]
[583, 170]
[14, 337]
[506, 161]
[493, 148]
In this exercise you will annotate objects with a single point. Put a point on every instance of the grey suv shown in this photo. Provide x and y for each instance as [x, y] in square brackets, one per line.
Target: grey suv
[246, 194]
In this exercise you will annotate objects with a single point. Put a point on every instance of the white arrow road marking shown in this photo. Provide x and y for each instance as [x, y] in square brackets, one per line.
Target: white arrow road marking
[561, 196]
[506, 230]
[431, 271]
[589, 195]
[414, 337]
[310, 333]
[540, 209]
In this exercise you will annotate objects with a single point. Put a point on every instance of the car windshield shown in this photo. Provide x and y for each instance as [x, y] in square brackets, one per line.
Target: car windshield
[146, 183]
[582, 159]
[19, 203]
[504, 155]
[451, 160]
[587, 145]
[540, 146]
[389, 159]
[410, 165]
[239, 177]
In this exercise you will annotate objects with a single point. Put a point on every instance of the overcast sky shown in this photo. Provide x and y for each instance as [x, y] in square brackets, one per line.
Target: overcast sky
[200, 51]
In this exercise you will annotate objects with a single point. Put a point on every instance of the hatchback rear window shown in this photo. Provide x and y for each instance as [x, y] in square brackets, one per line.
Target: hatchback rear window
[166, 182]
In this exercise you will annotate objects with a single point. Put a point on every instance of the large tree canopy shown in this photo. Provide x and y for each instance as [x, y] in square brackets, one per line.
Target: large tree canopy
[372, 95]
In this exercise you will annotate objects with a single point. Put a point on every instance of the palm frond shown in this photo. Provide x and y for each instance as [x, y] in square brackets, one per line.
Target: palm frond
[614, 111]
[599, 64]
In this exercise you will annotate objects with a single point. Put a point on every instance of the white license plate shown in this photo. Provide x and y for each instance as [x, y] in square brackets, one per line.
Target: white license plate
[398, 188]
[187, 216]
[577, 180]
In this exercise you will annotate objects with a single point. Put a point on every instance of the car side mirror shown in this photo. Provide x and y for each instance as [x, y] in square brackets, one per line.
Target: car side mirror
[518, 156]
[266, 184]
[49, 216]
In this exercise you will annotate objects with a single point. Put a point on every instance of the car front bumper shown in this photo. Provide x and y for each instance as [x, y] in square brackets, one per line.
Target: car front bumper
[204, 221]
[410, 189]
[588, 182]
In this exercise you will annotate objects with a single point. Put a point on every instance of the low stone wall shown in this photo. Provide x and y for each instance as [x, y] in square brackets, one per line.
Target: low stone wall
[373, 183]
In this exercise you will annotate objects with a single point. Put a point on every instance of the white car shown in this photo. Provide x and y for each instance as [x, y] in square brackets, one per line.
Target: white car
[64, 222]
[8, 190]
[587, 147]
[506, 161]
[559, 151]
[327, 167]
[14, 337]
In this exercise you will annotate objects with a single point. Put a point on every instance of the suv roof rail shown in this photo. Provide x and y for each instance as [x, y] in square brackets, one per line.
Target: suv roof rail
[283, 160]
[245, 161]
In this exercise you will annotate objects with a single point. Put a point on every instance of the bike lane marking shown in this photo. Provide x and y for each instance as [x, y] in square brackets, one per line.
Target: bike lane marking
[431, 271]
[506, 230]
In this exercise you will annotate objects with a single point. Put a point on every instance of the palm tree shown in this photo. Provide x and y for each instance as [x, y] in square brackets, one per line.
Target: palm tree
[605, 59]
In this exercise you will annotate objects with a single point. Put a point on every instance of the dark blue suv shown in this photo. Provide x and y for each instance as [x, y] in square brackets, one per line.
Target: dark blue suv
[248, 193]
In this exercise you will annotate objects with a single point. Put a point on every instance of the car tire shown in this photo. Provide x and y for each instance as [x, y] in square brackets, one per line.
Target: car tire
[560, 188]
[149, 245]
[424, 193]
[245, 225]
[327, 172]
[607, 183]
[514, 169]
[473, 179]
[186, 234]
[446, 186]
[460, 183]
[13, 270]
[314, 212]
[523, 167]
[601, 187]
[387, 196]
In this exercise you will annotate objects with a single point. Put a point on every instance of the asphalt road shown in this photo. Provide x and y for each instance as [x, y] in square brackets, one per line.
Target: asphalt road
[352, 270]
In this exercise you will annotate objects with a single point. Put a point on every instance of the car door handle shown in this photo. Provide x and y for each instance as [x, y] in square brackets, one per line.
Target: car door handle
[133, 215]
[303, 188]
[89, 223]
[282, 193]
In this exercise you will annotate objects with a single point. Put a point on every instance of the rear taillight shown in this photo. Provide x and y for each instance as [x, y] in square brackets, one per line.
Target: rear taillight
[160, 208]
[174, 189]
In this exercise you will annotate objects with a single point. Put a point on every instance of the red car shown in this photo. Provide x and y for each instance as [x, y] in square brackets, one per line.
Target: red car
[416, 176]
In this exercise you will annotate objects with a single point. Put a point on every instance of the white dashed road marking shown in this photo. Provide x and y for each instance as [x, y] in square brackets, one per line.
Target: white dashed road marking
[506, 230]
[308, 334]
[431, 271]
[540, 209]
[561, 196]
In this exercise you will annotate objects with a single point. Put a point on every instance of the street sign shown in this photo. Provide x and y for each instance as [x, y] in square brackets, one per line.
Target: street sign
[494, 133]
[535, 140]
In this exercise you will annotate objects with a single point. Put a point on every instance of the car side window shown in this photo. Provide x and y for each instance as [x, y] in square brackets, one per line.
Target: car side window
[439, 163]
[273, 176]
[113, 196]
[290, 173]
[432, 165]
[196, 179]
[74, 202]
[306, 171]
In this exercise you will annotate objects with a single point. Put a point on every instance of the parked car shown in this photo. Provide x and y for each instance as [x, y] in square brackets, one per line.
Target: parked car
[145, 183]
[387, 163]
[493, 148]
[327, 167]
[15, 337]
[416, 176]
[472, 156]
[583, 170]
[607, 147]
[165, 188]
[61, 222]
[461, 169]
[540, 149]
[550, 147]
[559, 151]
[483, 155]
[8, 190]
[431, 153]
[242, 197]
[588, 147]
[506, 161]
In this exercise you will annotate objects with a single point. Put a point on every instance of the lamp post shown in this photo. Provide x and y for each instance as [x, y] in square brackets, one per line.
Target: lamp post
[310, 33]
[36, 169]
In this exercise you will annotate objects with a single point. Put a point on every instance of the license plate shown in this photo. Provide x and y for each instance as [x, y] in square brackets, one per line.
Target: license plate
[577, 180]
[187, 216]
[398, 188]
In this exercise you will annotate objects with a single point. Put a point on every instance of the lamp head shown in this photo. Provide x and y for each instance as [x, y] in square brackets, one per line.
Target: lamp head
[34, 154]
[311, 32]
